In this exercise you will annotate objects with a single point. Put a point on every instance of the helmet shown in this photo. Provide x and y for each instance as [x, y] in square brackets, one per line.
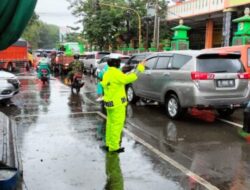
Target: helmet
[114, 61]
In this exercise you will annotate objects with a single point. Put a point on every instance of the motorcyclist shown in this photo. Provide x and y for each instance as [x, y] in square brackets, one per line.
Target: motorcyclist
[115, 101]
[42, 74]
[43, 64]
[74, 67]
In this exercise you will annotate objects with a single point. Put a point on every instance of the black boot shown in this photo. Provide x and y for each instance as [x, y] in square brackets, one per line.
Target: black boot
[105, 148]
[120, 150]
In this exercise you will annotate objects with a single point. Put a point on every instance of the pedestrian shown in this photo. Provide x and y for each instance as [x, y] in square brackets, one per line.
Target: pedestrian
[99, 90]
[115, 101]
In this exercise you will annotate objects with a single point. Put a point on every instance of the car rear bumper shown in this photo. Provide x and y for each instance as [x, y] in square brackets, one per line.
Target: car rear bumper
[201, 102]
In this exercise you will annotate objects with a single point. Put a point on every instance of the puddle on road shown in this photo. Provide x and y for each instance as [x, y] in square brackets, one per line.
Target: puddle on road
[63, 152]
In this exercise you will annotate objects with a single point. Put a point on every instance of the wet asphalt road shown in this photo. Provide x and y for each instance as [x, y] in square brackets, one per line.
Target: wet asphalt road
[60, 134]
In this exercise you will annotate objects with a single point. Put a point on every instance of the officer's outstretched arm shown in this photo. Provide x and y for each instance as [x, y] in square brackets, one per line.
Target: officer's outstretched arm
[129, 78]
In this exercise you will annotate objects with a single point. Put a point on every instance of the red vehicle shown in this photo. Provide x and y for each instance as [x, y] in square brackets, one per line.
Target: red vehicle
[15, 56]
[66, 55]
[62, 62]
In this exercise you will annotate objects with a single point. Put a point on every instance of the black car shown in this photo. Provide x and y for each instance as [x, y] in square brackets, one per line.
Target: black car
[134, 60]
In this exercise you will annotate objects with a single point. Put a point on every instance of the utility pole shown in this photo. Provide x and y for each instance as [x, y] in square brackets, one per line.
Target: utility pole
[156, 23]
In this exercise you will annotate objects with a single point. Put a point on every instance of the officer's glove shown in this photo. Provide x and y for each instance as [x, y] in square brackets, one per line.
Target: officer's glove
[140, 68]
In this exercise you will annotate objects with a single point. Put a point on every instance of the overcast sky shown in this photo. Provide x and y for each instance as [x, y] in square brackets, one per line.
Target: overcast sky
[55, 12]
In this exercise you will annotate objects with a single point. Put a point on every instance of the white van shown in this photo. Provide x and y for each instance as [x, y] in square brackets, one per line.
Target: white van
[91, 60]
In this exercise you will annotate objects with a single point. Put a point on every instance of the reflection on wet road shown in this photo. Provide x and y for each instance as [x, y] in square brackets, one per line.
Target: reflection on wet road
[60, 135]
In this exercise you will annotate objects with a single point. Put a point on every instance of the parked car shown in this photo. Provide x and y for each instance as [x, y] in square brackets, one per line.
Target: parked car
[91, 60]
[9, 85]
[101, 64]
[184, 79]
[134, 60]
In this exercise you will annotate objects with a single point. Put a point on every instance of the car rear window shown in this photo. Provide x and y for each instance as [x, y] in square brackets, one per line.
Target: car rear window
[219, 63]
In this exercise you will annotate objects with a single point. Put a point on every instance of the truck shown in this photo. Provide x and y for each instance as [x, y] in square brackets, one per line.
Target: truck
[16, 56]
[65, 56]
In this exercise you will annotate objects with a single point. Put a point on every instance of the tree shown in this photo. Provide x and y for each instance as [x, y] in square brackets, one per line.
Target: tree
[103, 25]
[40, 34]
[31, 32]
[48, 36]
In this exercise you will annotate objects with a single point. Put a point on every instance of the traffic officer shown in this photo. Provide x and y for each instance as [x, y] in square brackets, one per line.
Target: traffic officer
[115, 100]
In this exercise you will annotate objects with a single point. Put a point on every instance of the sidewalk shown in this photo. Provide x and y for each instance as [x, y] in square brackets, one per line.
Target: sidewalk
[63, 152]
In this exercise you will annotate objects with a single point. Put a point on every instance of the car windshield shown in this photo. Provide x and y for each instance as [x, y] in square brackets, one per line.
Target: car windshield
[217, 64]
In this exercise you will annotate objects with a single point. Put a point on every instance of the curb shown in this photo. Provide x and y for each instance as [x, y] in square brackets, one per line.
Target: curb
[9, 153]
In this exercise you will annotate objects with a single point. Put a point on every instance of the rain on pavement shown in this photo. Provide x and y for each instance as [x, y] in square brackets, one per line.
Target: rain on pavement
[60, 135]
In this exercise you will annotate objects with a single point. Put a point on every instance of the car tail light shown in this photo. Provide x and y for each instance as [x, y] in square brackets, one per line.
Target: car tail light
[244, 75]
[202, 76]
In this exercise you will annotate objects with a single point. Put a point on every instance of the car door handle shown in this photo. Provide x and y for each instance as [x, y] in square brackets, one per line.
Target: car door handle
[166, 74]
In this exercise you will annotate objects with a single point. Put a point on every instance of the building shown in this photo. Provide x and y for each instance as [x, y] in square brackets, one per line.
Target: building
[210, 20]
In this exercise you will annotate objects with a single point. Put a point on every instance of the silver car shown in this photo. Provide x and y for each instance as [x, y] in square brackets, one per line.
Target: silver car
[184, 79]
[9, 85]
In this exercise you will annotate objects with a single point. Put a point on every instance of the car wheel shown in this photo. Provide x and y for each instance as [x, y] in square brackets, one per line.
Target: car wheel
[78, 90]
[173, 107]
[91, 70]
[27, 66]
[132, 98]
[226, 112]
[96, 73]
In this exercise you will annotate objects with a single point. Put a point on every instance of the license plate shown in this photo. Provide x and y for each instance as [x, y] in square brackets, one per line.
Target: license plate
[225, 83]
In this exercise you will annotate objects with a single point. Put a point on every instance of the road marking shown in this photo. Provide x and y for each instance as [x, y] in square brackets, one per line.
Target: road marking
[183, 169]
[231, 123]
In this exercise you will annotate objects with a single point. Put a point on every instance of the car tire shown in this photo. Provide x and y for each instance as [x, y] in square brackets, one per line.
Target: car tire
[27, 66]
[92, 71]
[225, 112]
[173, 107]
[132, 98]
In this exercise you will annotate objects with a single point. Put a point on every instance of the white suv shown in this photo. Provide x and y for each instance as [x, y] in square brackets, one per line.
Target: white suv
[91, 60]
[9, 85]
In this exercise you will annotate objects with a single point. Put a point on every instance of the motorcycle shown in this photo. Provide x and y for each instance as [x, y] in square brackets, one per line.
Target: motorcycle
[77, 82]
[44, 73]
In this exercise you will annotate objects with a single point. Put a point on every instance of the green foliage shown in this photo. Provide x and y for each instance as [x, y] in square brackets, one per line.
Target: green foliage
[48, 36]
[107, 26]
[103, 25]
[40, 34]
[31, 32]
